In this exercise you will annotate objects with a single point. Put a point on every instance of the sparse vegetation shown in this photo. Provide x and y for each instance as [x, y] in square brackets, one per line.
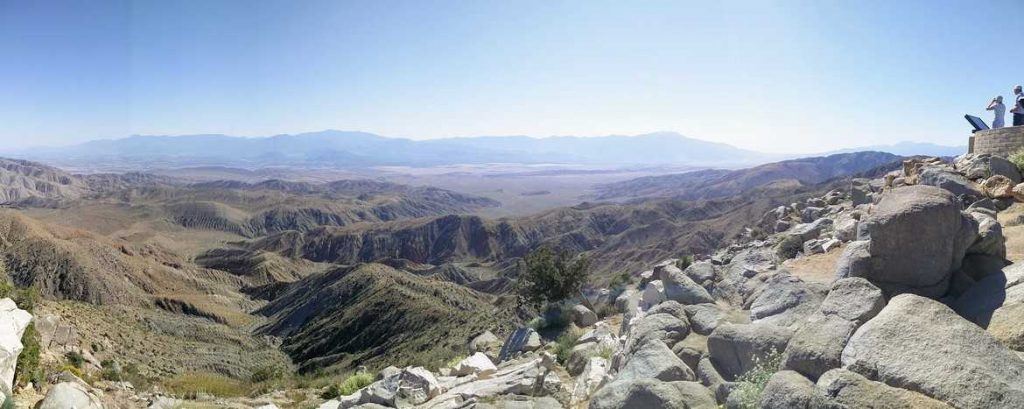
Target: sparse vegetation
[192, 384]
[684, 262]
[1017, 158]
[789, 247]
[6, 402]
[352, 384]
[74, 359]
[28, 369]
[267, 373]
[750, 385]
[548, 276]
[565, 342]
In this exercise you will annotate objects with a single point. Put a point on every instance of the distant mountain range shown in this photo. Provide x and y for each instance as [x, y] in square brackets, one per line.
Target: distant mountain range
[344, 149]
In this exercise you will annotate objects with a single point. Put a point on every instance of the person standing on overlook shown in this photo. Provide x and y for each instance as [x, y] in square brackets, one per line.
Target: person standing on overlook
[1018, 106]
[1000, 111]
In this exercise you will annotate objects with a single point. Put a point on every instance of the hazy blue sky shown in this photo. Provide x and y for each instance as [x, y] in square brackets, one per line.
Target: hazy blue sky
[784, 76]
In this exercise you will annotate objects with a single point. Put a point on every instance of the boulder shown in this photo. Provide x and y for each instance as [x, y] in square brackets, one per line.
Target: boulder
[846, 229]
[786, 300]
[663, 327]
[951, 181]
[13, 322]
[1018, 192]
[477, 364]
[860, 191]
[654, 360]
[487, 343]
[918, 344]
[691, 352]
[672, 308]
[734, 348]
[704, 318]
[790, 390]
[918, 237]
[519, 341]
[680, 288]
[653, 394]
[710, 377]
[654, 294]
[702, 272]
[976, 166]
[528, 376]
[990, 240]
[849, 390]
[853, 299]
[591, 378]
[998, 186]
[818, 345]
[582, 316]
[628, 301]
[67, 395]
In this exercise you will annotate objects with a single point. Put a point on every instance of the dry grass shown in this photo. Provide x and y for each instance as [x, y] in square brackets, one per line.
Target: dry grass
[192, 384]
[817, 268]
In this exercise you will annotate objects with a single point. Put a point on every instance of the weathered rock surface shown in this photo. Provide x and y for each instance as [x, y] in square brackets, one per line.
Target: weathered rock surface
[477, 364]
[591, 378]
[662, 327]
[654, 360]
[918, 237]
[785, 300]
[488, 344]
[734, 347]
[13, 322]
[519, 341]
[790, 390]
[680, 288]
[976, 166]
[582, 316]
[704, 318]
[921, 345]
[950, 181]
[68, 395]
[852, 390]
[652, 394]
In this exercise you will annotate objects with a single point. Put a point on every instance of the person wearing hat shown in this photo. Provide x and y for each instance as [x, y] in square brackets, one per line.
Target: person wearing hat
[1018, 106]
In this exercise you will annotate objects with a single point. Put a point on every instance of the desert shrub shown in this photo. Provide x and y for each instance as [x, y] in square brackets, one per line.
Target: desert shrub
[605, 310]
[192, 384]
[548, 276]
[620, 280]
[267, 373]
[453, 361]
[28, 369]
[75, 359]
[131, 373]
[555, 319]
[350, 385]
[684, 262]
[789, 247]
[565, 342]
[111, 371]
[1017, 158]
[354, 383]
[750, 385]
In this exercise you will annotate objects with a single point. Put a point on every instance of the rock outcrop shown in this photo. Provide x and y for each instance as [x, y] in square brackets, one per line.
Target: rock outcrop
[13, 322]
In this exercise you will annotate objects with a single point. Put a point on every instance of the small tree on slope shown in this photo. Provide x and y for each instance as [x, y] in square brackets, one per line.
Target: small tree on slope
[551, 276]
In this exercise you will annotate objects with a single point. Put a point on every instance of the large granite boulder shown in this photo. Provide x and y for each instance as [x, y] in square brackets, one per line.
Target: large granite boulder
[654, 360]
[918, 237]
[67, 395]
[681, 288]
[735, 348]
[653, 394]
[784, 300]
[663, 327]
[818, 345]
[13, 322]
[519, 341]
[790, 390]
[847, 389]
[921, 345]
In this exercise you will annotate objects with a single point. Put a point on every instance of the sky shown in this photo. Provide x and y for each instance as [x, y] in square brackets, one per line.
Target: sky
[775, 76]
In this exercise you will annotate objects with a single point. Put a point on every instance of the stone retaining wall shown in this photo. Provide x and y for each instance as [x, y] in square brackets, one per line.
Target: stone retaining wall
[1001, 142]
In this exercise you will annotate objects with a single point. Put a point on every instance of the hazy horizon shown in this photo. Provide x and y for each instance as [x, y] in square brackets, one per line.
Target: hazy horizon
[785, 77]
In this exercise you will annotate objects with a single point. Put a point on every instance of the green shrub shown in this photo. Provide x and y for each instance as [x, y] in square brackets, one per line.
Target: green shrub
[620, 280]
[565, 342]
[750, 385]
[6, 402]
[111, 371]
[1017, 158]
[352, 384]
[684, 262]
[27, 369]
[789, 247]
[355, 382]
[190, 385]
[548, 276]
[267, 373]
[75, 359]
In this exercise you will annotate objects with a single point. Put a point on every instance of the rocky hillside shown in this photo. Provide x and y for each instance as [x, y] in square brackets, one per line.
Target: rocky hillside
[718, 183]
